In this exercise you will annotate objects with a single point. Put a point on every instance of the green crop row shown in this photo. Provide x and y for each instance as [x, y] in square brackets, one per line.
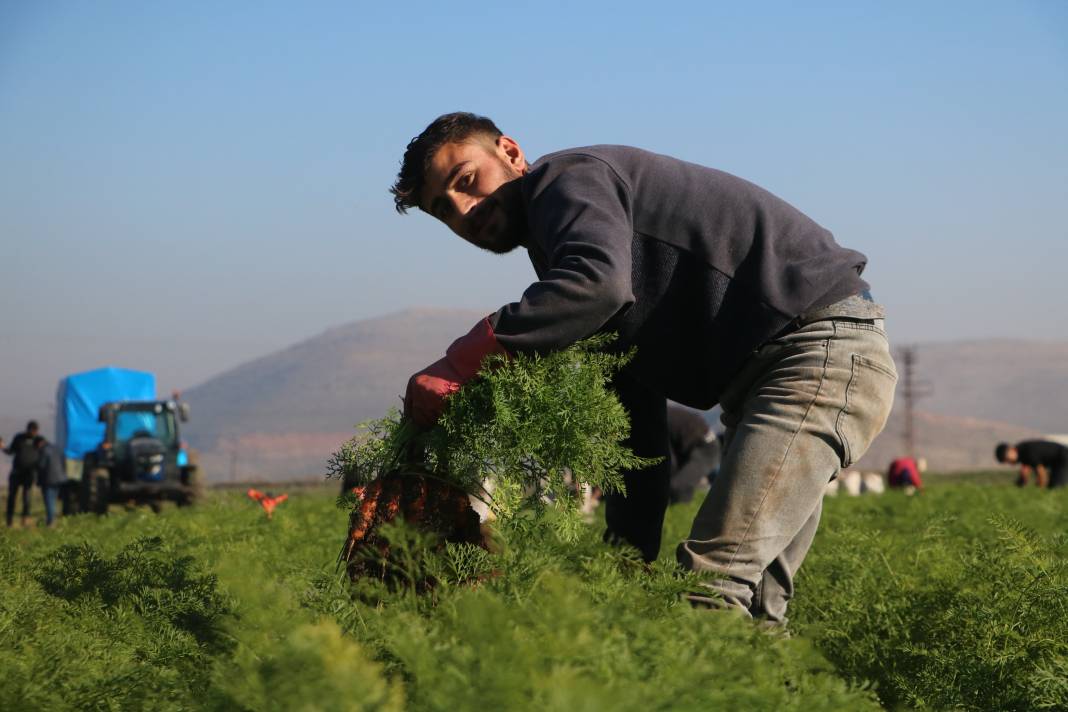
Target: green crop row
[957, 599]
[942, 601]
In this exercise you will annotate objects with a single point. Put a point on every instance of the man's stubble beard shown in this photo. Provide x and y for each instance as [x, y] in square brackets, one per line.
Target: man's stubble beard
[509, 205]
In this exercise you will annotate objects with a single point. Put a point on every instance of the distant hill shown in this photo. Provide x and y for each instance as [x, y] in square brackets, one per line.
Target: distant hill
[280, 416]
[947, 442]
[981, 393]
[256, 420]
[327, 383]
[1023, 382]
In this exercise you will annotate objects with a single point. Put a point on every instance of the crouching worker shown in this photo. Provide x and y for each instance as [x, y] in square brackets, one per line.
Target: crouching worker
[1046, 459]
[904, 474]
[729, 294]
[695, 453]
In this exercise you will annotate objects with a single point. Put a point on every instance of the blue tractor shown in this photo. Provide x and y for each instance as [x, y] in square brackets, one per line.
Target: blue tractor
[129, 443]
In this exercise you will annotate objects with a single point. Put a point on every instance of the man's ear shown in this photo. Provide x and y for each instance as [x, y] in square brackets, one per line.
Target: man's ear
[510, 151]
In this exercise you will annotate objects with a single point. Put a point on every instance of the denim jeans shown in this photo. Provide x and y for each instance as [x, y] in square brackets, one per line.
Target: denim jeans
[50, 493]
[805, 405]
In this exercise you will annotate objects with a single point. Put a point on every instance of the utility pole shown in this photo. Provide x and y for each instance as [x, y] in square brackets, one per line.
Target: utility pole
[911, 390]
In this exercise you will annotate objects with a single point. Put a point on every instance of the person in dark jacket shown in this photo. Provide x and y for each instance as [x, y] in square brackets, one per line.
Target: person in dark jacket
[695, 452]
[51, 475]
[23, 468]
[1048, 461]
[729, 294]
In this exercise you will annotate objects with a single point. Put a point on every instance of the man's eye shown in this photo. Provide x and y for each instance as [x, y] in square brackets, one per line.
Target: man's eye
[465, 180]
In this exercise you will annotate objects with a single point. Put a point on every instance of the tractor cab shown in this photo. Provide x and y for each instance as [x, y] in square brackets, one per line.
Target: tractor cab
[141, 440]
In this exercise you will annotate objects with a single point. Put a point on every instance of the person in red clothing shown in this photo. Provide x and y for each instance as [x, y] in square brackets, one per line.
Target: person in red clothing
[904, 472]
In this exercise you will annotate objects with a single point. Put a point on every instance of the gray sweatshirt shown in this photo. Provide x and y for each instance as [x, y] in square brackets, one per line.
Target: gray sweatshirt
[693, 266]
[50, 471]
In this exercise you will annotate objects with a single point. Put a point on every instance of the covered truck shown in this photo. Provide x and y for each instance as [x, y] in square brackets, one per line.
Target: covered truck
[121, 441]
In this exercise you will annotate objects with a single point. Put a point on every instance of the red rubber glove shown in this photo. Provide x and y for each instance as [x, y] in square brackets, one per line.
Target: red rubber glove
[425, 400]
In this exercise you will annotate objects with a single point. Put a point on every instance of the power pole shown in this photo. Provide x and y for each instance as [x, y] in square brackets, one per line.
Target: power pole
[911, 390]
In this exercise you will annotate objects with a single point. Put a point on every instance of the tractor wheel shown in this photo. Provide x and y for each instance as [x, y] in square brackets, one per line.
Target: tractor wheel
[100, 492]
[85, 493]
[194, 483]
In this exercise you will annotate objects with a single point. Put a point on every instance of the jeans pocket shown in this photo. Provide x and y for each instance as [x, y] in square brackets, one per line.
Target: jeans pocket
[869, 397]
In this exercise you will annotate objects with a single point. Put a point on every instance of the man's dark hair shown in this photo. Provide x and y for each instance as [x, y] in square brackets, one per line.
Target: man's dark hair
[1000, 450]
[448, 128]
[32, 425]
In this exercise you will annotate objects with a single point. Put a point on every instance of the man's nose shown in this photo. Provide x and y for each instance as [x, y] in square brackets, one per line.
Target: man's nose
[462, 203]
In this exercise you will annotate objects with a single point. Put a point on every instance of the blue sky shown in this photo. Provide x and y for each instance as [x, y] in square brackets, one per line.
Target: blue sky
[185, 186]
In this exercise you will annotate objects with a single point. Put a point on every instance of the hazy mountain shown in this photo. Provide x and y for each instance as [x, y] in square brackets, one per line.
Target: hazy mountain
[326, 384]
[979, 393]
[947, 442]
[1023, 382]
[283, 414]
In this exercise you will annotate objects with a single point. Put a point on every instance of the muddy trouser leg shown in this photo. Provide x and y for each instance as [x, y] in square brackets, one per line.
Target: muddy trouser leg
[804, 406]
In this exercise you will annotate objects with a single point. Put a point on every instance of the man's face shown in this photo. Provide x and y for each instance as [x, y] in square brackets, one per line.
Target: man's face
[1011, 456]
[471, 187]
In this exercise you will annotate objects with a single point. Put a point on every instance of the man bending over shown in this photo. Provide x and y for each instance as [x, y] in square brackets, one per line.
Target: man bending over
[1048, 460]
[730, 295]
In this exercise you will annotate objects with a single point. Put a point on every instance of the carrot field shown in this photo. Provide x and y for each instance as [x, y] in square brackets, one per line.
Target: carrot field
[953, 599]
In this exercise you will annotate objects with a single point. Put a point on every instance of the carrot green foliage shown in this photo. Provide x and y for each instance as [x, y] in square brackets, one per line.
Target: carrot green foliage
[939, 601]
[945, 601]
[533, 426]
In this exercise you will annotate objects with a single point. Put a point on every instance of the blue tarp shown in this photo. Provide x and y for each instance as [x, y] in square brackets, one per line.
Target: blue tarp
[78, 401]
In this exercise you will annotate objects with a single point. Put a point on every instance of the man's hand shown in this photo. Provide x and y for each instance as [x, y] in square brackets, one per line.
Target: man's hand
[425, 398]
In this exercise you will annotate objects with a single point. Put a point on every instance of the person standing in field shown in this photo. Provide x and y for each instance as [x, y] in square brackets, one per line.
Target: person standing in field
[729, 295]
[51, 475]
[1046, 459]
[23, 468]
